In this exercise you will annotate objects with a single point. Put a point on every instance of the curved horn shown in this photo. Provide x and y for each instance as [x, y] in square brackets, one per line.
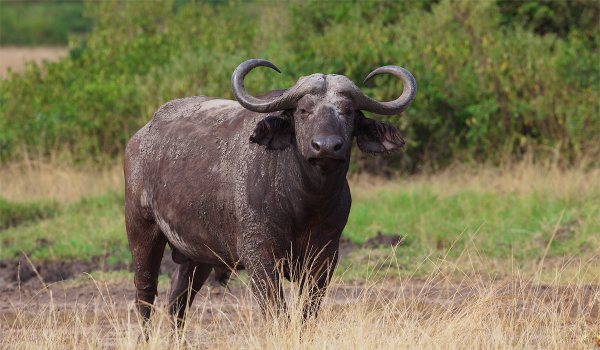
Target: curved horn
[400, 104]
[250, 102]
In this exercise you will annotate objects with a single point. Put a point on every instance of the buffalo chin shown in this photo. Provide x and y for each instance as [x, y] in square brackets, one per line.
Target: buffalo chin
[326, 163]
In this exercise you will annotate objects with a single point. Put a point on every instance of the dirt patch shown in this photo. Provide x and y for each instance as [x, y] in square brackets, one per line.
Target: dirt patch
[21, 271]
[567, 230]
[214, 299]
[381, 240]
[346, 246]
[16, 57]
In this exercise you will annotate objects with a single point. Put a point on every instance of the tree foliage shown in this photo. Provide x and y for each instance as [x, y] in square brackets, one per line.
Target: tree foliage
[487, 91]
[560, 17]
[41, 22]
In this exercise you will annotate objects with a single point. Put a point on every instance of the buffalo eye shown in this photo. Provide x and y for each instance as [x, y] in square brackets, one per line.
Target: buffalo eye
[346, 111]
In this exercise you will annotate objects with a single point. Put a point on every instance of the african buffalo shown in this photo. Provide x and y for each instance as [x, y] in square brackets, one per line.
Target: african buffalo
[258, 184]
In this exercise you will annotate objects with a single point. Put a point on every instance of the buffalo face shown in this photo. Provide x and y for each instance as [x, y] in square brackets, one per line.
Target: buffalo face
[323, 128]
[322, 113]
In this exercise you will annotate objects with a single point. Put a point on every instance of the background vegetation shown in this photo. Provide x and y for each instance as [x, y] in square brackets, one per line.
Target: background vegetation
[496, 79]
[41, 22]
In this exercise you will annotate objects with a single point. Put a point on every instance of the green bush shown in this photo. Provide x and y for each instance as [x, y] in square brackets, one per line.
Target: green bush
[560, 17]
[48, 22]
[14, 214]
[487, 91]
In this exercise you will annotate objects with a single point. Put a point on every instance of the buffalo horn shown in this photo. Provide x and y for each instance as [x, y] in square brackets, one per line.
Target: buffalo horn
[396, 106]
[250, 102]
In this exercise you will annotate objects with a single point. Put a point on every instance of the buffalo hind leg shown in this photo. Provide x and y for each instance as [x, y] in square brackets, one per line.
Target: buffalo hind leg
[186, 281]
[147, 244]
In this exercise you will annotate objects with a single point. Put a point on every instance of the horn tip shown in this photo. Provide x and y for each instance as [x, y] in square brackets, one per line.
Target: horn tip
[266, 63]
[371, 75]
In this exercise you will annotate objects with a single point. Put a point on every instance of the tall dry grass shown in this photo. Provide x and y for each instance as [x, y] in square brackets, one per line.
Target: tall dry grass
[519, 178]
[43, 179]
[432, 313]
[60, 181]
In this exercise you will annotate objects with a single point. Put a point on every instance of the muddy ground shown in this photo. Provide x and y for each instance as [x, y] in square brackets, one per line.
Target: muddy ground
[25, 285]
[25, 293]
[23, 271]
[114, 299]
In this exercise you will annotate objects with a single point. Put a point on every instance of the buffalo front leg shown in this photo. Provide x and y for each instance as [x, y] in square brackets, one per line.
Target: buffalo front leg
[265, 281]
[314, 280]
[186, 281]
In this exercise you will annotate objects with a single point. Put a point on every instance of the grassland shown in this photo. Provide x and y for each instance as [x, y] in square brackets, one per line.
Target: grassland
[429, 314]
[500, 217]
[498, 258]
[494, 218]
[502, 257]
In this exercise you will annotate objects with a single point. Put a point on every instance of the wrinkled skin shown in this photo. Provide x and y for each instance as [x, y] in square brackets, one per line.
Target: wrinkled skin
[228, 188]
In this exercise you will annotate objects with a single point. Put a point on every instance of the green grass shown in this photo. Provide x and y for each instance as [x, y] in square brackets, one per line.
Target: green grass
[500, 227]
[13, 214]
[80, 231]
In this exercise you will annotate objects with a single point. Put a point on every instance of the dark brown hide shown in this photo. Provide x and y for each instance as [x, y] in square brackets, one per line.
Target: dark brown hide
[227, 187]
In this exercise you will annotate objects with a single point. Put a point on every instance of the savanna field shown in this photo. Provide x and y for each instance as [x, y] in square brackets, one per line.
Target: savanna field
[503, 258]
[484, 232]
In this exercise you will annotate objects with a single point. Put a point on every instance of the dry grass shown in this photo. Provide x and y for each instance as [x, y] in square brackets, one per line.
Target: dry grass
[435, 313]
[31, 180]
[515, 178]
[15, 57]
[35, 179]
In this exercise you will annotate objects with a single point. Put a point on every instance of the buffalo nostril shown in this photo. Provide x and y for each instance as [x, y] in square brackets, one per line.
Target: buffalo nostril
[315, 145]
[337, 147]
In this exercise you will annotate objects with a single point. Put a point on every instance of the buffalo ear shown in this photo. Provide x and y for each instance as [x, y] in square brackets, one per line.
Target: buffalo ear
[274, 132]
[376, 137]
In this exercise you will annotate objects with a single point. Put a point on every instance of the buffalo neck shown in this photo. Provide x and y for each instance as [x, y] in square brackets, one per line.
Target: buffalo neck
[323, 188]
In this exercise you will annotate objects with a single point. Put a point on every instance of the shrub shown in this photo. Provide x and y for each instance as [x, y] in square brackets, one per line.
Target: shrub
[45, 22]
[487, 91]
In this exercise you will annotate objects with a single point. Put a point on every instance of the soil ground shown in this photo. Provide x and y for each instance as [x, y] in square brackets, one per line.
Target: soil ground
[15, 57]
[85, 296]
[29, 287]
[13, 272]
[60, 297]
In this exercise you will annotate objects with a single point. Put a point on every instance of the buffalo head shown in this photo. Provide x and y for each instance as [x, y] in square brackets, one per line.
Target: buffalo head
[321, 114]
